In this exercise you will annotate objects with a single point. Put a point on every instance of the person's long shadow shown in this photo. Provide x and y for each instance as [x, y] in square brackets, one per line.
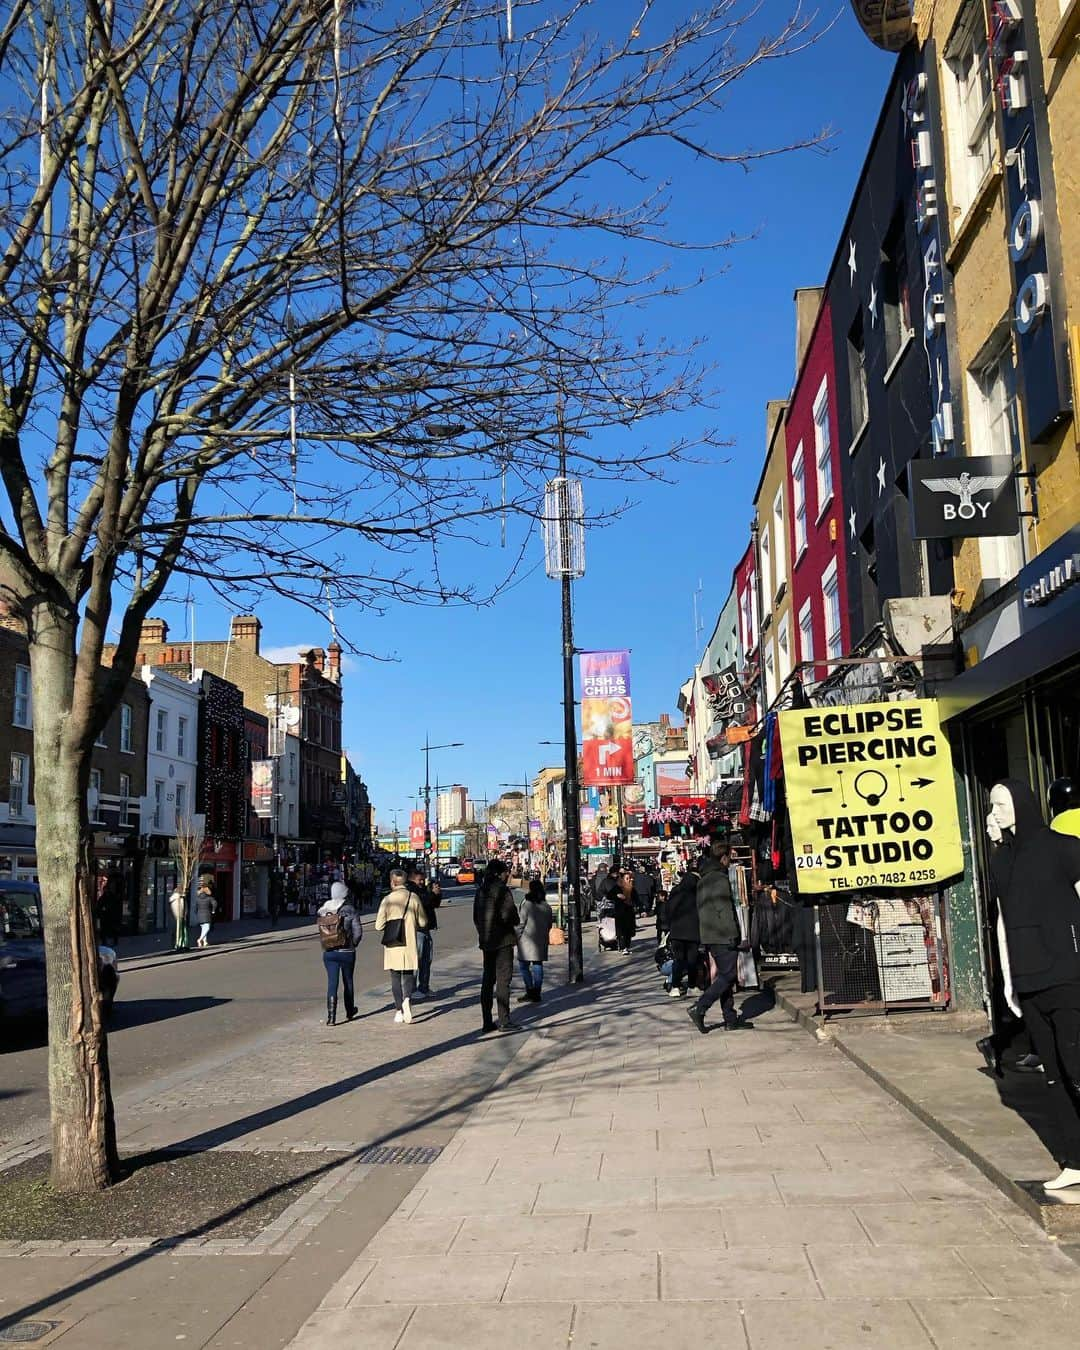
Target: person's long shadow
[139, 1012]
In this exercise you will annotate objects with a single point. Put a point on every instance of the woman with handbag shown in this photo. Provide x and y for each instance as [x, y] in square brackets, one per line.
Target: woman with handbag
[400, 915]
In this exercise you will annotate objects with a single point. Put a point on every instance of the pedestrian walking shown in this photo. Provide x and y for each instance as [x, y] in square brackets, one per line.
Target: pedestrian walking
[496, 918]
[430, 897]
[400, 918]
[684, 934]
[340, 932]
[647, 885]
[721, 937]
[625, 910]
[205, 904]
[536, 918]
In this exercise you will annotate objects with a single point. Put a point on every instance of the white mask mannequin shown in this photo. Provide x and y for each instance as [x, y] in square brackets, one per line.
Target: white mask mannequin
[993, 829]
[1002, 810]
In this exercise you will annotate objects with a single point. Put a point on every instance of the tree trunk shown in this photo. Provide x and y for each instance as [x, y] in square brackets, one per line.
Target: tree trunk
[84, 1155]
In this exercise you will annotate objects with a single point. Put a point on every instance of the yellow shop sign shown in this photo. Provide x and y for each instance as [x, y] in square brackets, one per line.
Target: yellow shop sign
[871, 796]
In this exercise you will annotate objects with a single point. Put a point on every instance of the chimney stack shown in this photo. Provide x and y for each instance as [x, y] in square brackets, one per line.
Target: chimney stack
[245, 632]
[317, 657]
[154, 631]
[807, 303]
[333, 662]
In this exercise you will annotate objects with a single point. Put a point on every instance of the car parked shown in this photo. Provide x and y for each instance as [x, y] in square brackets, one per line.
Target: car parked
[22, 954]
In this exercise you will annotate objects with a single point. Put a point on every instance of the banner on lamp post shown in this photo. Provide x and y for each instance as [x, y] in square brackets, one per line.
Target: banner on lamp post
[589, 836]
[607, 752]
[536, 837]
[417, 830]
[262, 788]
[493, 839]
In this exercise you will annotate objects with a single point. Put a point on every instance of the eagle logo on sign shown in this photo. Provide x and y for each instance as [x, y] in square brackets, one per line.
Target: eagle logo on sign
[965, 487]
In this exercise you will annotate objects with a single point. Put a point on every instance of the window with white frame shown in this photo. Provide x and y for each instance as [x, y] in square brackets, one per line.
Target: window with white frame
[779, 537]
[125, 798]
[18, 786]
[161, 731]
[823, 447]
[159, 804]
[94, 803]
[100, 740]
[125, 728]
[181, 801]
[749, 614]
[783, 647]
[770, 674]
[22, 710]
[806, 641]
[830, 594]
[181, 737]
[995, 430]
[970, 106]
[798, 497]
[766, 566]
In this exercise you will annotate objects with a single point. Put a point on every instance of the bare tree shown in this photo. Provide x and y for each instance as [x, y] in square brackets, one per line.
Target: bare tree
[190, 836]
[286, 290]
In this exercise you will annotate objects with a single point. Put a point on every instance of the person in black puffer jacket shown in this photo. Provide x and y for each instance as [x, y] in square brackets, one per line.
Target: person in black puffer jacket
[721, 936]
[496, 918]
[681, 917]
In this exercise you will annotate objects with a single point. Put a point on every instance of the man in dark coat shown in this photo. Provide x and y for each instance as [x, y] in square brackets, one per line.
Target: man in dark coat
[430, 898]
[721, 937]
[496, 918]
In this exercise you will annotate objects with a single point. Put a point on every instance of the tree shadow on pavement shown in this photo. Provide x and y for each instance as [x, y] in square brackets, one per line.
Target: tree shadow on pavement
[140, 1012]
[574, 1011]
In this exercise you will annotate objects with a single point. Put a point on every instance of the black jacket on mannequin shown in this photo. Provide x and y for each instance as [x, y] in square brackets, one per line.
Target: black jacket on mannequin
[1034, 875]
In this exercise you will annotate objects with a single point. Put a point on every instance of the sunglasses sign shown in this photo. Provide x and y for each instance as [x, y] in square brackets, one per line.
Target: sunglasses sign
[871, 797]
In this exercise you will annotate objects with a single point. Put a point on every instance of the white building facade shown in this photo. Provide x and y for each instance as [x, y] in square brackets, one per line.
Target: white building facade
[171, 747]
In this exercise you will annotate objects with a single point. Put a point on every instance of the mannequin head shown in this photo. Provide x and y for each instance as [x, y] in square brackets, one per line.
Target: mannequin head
[1002, 809]
[993, 829]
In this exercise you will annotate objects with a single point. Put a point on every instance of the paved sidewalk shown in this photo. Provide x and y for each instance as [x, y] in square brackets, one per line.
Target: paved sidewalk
[628, 1182]
[935, 1069]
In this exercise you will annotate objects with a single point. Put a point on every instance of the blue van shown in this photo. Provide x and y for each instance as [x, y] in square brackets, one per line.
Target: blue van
[22, 953]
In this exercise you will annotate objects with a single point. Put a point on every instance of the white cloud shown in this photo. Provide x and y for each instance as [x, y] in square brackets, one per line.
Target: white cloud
[286, 655]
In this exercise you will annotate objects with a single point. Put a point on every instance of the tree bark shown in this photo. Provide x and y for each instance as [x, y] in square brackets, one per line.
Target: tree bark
[84, 1154]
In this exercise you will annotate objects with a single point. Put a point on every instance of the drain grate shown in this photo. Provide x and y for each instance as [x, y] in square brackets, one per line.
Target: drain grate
[25, 1333]
[401, 1154]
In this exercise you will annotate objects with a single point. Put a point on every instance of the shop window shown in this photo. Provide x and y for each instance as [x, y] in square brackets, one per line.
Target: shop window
[830, 593]
[22, 714]
[125, 799]
[895, 293]
[823, 448]
[798, 495]
[779, 538]
[970, 106]
[125, 729]
[857, 390]
[18, 785]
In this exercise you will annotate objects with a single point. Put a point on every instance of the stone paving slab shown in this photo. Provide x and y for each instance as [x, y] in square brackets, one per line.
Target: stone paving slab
[758, 1192]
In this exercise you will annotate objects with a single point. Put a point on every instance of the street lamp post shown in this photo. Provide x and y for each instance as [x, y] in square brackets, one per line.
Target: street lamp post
[427, 748]
[564, 559]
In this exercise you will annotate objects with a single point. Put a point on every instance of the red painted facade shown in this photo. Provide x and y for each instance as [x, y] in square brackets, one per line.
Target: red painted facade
[815, 390]
[749, 622]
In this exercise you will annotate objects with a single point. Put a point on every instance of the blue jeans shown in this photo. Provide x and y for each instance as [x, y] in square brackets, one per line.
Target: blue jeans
[341, 963]
[425, 950]
[532, 972]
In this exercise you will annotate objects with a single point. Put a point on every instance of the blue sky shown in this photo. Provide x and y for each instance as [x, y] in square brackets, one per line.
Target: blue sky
[491, 677]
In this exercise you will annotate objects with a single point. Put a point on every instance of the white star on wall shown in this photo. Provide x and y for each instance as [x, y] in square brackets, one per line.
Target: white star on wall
[881, 478]
[851, 522]
[873, 305]
[853, 266]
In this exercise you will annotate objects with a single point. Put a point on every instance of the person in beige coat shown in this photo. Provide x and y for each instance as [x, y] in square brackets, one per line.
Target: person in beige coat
[401, 960]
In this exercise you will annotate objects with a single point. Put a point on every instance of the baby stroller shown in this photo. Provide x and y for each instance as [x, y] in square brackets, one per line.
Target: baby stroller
[607, 939]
